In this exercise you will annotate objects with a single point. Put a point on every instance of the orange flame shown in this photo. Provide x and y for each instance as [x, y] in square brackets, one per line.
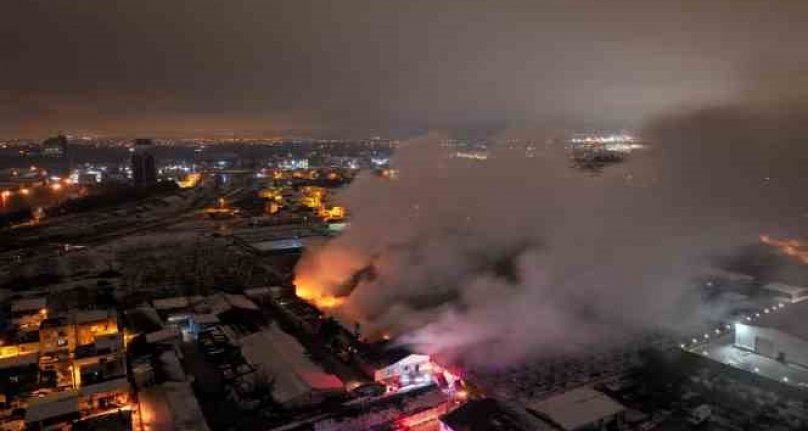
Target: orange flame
[790, 247]
[307, 291]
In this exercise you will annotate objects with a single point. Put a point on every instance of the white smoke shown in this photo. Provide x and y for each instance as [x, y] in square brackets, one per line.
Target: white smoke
[504, 259]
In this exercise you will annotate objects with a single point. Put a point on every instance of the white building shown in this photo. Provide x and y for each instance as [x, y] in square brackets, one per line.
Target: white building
[580, 409]
[781, 335]
[403, 368]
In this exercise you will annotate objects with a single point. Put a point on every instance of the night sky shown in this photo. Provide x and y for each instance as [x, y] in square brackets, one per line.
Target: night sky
[353, 68]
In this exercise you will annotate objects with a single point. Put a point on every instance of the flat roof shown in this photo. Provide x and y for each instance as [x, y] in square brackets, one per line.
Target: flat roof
[278, 245]
[51, 406]
[215, 304]
[257, 292]
[489, 414]
[119, 384]
[286, 360]
[28, 304]
[19, 360]
[788, 289]
[240, 301]
[730, 275]
[171, 303]
[162, 335]
[576, 408]
[172, 407]
[205, 319]
[85, 316]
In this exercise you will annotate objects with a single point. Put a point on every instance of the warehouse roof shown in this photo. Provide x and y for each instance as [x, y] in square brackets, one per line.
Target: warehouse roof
[175, 303]
[286, 360]
[172, 407]
[489, 414]
[793, 292]
[51, 406]
[577, 408]
[114, 385]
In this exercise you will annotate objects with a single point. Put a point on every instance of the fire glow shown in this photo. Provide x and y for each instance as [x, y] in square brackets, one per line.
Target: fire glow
[790, 247]
[307, 291]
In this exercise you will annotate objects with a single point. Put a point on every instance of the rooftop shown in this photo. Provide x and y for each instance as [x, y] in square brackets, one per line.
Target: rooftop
[788, 289]
[576, 408]
[171, 407]
[278, 245]
[283, 358]
[85, 316]
[113, 385]
[171, 303]
[28, 305]
[489, 414]
[23, 360]
[163, 335]
[51, 406]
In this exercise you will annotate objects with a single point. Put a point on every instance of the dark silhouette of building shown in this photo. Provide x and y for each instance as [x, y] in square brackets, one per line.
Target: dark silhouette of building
[144, 170]
[55, 146]
[56, 156]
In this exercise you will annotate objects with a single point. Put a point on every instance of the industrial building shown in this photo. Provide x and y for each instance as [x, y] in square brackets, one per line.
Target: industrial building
[780, 335]
[298, 381]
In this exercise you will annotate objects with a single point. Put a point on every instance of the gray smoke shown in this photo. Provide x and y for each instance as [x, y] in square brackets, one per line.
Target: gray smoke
[504, 259]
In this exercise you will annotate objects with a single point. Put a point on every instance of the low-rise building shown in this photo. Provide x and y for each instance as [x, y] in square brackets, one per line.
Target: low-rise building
[297, 380]
[579, 409]
[489, 414]
[171, 406]
[28, 313]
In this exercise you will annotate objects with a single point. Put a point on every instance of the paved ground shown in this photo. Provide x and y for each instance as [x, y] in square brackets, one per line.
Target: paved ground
[726, 353]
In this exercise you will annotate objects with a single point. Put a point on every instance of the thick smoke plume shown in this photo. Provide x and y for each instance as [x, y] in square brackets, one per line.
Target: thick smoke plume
[500, 260]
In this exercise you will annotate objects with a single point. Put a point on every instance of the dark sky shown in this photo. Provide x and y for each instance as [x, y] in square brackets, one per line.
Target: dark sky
[344, 67]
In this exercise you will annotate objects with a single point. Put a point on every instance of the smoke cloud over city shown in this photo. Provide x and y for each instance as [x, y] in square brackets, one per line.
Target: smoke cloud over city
[499, 260]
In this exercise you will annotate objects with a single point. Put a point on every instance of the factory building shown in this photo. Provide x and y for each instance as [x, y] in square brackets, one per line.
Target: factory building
[780, 335]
